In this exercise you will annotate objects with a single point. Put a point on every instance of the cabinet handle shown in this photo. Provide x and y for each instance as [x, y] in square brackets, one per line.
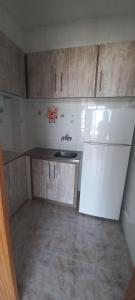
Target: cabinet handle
[55, 81]
[61, 79]
[100, 83]
[49, 171]
[54, 171]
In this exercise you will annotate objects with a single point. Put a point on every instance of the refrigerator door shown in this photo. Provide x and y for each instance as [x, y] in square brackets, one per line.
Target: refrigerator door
[109, 125]
[103, 179]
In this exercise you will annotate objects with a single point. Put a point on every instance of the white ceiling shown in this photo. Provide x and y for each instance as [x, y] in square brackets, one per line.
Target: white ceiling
[32, 14]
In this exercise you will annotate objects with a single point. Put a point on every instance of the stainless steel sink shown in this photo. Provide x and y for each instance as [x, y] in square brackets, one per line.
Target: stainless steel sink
[65, 154]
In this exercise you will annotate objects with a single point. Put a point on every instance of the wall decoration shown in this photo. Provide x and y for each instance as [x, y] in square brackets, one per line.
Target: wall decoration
[52, 113]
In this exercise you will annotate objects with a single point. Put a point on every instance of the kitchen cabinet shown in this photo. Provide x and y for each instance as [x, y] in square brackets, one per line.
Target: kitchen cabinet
[116, 70]
[62, 73]
[41, 179]
[102, 71]
[12, 67]
[64, 182]
[16, 183]
[79, 72]
[41, 75]
[54, 180]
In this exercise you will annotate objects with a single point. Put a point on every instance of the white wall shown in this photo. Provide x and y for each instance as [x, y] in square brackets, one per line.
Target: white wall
[24, 125]
[128, 215]
[23, 133]
[71, 120]
[16, 125]
[9, 26]
[77, 33]
[93, 31]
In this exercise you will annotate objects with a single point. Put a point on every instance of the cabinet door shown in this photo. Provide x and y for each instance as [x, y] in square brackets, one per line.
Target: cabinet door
[16, 183]
[79, 72]
[62, 73]
[64, 182]
[42, 76]
[116, 70]
[45, 71]
[12, 67]
[42, 179]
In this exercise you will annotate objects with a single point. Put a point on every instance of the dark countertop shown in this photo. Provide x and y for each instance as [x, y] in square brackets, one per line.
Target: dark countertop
[48, 154]
[10, 155]
[41, 153]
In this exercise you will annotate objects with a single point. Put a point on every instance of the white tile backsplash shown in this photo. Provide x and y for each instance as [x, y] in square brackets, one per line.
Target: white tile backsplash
[49, 134]
[22, 127]
[16, 125]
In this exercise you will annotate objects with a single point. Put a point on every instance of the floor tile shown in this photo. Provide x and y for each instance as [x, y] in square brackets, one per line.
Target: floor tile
[62, 255]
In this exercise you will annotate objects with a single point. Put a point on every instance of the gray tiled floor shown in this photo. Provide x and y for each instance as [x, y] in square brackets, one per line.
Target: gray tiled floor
[62, 255]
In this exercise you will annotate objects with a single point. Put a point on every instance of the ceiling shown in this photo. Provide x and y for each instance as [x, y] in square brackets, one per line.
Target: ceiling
[31, 14]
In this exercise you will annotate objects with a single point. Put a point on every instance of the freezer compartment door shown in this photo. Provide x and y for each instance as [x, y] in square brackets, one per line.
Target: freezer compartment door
[109, 125]
[103, 178]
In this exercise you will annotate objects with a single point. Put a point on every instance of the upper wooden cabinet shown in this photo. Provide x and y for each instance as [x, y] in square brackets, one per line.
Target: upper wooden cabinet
[104, 71]
[41, 74]
[62, 73]
[12, 67]
[116, 70]
[78, 74]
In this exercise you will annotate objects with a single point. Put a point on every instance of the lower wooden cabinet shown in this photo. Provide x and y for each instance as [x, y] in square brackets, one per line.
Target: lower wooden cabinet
[16, 183]
[41, 179]
[55, 180]
[63, 182]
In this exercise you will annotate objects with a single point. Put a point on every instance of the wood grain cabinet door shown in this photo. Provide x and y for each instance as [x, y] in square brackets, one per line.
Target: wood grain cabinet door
[16, 183]
[116, 70]
[64, 182]
[79, 72]
[42, 179]
[62, 73]
[12, 67]
[42, 74]
[60, 62]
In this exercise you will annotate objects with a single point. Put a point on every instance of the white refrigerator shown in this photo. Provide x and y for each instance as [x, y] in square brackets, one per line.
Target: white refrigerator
[108, 139]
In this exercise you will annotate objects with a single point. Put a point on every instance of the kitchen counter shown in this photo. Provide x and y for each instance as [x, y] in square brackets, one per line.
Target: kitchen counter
[10, 155]
[33, 170]
[48, 154]
[41, 153]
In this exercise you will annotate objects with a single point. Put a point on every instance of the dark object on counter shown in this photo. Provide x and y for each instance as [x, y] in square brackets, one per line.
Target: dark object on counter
[65, 154]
